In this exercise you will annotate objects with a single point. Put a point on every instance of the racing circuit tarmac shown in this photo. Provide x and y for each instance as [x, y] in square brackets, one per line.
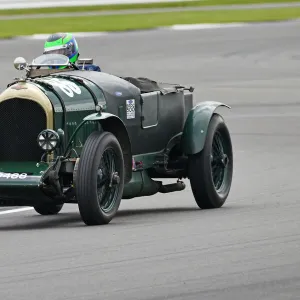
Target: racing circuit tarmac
[164, 247]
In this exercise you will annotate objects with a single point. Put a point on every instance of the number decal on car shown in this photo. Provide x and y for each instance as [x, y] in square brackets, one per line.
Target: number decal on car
[13, 175]
[69, 88]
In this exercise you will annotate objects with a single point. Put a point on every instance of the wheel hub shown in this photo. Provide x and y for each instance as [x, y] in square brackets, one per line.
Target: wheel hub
[100, 174]
[224, 160]
[115, 179]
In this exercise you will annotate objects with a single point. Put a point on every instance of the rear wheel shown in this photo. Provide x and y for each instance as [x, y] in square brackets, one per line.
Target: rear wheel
[210, 171]
[46, 209]
[100, 179]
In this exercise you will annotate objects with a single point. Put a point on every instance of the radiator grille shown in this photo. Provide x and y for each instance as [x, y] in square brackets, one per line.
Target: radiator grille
[20, 123]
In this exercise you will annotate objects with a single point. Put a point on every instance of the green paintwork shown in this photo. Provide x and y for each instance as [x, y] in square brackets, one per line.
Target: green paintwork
[30, 167]
[30, 181]
[134, 187]
[148, 159]
[26, 191]
[76, 98]
[99, 116]
[89, 124]
[77, 137]
[140, 185]
[78, 105]
[196, 126]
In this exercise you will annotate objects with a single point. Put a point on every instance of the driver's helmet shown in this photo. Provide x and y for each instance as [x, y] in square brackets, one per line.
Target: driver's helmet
[62, 43]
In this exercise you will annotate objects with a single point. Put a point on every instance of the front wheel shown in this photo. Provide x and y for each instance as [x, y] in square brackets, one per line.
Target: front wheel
[100, 179]
[210, 171]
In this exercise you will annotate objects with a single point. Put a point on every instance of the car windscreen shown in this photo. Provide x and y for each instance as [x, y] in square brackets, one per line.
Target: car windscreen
[51, 60]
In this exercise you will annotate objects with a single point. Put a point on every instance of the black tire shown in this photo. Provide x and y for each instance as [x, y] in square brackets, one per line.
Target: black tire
[89, 171]
[47, 209]
[204, 166]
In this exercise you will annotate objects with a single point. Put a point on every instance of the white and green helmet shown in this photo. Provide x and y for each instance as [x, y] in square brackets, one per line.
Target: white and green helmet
[62, 43]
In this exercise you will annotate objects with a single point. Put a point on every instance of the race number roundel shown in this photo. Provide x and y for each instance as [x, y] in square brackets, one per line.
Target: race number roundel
[68, 87]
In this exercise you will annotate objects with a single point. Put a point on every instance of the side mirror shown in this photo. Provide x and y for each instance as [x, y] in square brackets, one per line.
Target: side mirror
[20, 63]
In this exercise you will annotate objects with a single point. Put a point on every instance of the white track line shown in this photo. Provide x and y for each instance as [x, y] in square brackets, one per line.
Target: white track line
[77, 34]
[206, 26]
[11, 211]
[173, 27]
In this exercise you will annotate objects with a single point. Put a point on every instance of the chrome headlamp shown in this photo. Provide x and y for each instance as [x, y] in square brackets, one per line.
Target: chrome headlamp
[48, 140]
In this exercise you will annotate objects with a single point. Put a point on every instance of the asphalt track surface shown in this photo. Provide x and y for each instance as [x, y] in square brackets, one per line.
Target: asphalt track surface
[164, 247]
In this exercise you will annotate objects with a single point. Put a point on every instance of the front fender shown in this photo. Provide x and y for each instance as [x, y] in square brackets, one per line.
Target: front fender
[196, 126]
[99, 116]
[115, 125]
[91, 117]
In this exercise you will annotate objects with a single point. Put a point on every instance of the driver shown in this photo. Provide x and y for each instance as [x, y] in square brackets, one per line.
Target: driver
[66, 44]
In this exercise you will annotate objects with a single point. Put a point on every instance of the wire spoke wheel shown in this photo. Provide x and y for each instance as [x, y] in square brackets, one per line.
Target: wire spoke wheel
[100, 178]
[107, 180]
[210, 171]
[219, 161]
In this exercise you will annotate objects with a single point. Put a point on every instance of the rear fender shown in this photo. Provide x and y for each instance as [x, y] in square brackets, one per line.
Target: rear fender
[115, 125]
[196, 126]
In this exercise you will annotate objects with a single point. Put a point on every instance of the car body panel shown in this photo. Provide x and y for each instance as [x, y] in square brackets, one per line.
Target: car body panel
[155, 124]
[21, 191]
[196, 126]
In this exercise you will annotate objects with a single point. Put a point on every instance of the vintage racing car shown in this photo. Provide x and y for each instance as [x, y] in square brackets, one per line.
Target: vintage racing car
[73, 136]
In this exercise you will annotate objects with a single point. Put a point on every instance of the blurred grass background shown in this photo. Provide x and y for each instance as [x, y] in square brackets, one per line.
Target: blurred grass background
[27, 26]
[162, 4]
